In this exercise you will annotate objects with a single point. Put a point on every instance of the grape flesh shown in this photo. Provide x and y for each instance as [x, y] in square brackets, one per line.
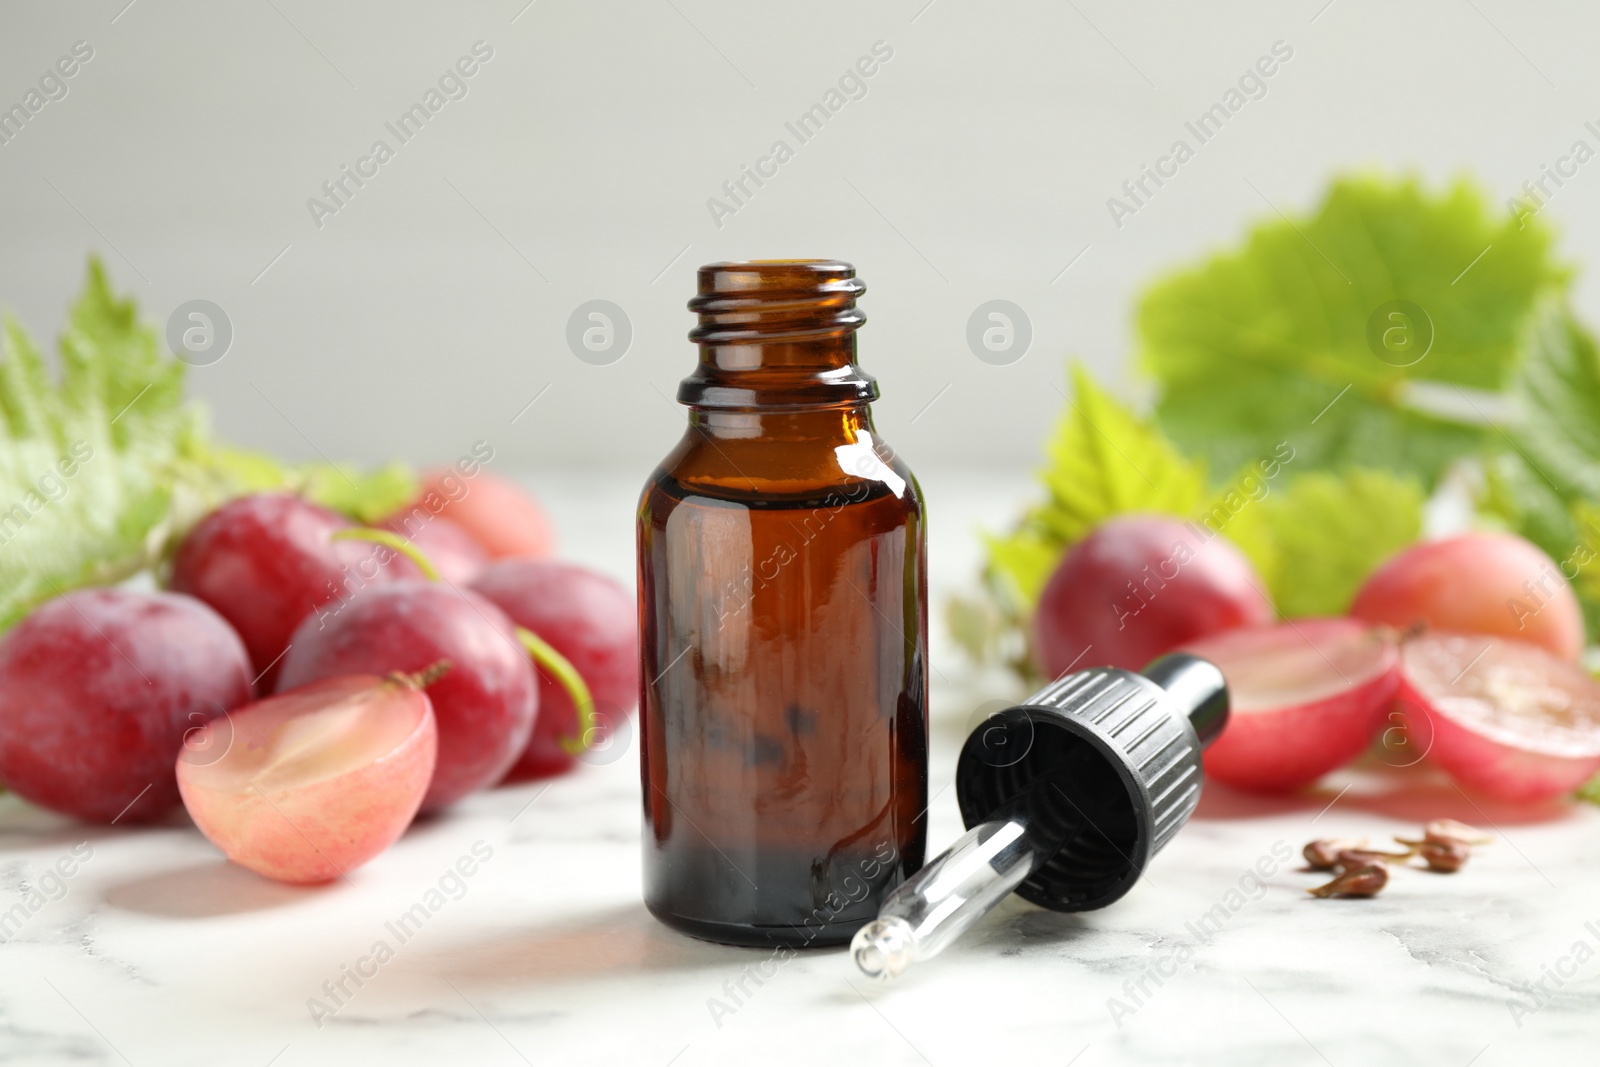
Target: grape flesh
[265, 562]
[98, 690]
[485, 704]
[310, 784]
[1305, 697]
[1503, 717]
[589, 619]
[1137, 587]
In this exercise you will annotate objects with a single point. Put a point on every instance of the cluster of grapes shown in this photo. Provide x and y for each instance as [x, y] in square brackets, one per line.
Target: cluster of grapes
[1465, 651]
[1445, 846]
[397, 672]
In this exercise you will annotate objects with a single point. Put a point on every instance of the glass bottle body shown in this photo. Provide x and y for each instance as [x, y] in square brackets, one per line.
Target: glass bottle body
[782, 584]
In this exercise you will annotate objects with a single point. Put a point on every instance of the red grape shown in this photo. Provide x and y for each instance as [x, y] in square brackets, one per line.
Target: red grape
[306, 785]
[1481, 583]
[589, 619]
[265, 562]
[97, 691]
[485, 704]
[1305, 697]
[1137, 587]
[1504, 717]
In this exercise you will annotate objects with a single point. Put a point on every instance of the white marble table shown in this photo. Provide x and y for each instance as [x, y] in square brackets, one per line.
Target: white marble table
[159, 953]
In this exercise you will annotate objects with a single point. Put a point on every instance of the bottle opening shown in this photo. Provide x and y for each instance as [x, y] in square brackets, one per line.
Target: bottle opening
[766, 300]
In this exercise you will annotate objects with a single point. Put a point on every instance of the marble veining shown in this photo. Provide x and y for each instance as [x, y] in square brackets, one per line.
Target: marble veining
[158, 952]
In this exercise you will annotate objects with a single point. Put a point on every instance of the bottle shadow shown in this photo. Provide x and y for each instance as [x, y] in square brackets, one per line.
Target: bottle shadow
[614, 942]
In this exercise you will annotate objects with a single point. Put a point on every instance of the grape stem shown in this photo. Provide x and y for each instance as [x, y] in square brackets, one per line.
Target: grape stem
[391, 540]
[423, 678]
[565, 673]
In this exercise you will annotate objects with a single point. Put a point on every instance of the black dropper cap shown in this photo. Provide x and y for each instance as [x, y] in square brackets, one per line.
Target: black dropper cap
[1103, 765]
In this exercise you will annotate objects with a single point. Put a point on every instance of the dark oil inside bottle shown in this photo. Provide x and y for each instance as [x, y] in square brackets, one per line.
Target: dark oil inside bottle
[783, 623]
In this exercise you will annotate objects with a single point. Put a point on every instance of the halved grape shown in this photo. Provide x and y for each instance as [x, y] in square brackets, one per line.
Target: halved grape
[1305, 698]
[307, 785]
[1504, 717]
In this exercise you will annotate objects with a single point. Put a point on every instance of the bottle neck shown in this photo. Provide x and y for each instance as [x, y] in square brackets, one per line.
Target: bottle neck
[777, 337]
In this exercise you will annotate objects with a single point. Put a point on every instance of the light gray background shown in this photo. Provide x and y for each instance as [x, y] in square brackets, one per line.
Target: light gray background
[977, 167]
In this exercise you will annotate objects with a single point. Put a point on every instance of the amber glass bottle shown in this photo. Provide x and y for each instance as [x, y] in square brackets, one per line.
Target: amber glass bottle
[783, 611]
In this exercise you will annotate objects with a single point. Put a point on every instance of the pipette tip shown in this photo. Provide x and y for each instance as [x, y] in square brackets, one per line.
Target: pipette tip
[883, 948]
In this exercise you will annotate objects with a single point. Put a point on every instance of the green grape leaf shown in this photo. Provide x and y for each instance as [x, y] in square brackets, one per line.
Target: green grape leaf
[1556, 396]
[83, 462]
[1318, 538]
[1544, 481]
[104, 466]
[366, 496]
[1296, 336]
[1581, 564]
[1591, 791]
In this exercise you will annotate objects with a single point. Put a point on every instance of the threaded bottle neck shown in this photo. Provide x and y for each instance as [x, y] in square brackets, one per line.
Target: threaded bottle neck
[777, 335]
